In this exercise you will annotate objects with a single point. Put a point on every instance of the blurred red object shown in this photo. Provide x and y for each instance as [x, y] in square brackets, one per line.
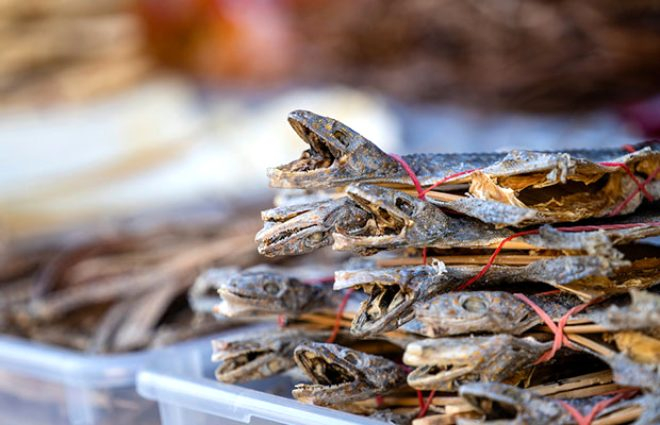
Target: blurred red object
[643, 117]
[235, 40]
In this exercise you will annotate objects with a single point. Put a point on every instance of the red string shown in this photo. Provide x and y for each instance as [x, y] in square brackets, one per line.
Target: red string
[281, 320]
[411, 174]
[630, 197]
[379, 401]
[629, 148]
[420, 401]
[418, 186]
[447, 178]
[628, 171]
[599, 407]
[491, 260]
[557, 329]
[340, 311]
[327, 279]
[425, 407]
[551, 292]
[591, 228]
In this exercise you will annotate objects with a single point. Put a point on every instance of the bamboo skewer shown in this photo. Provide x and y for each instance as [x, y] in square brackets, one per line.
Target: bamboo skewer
[592, 345]
[588, 392]
[509, 260]
[620, 417]
[573, 383]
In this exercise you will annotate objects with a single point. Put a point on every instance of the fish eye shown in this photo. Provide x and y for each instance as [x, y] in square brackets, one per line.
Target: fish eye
[341, 137]
[405, 206]
[351, 358]
[474, 304]
[271, 288]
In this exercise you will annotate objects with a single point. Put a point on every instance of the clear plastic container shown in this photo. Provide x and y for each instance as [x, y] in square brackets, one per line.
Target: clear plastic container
[181, 380]
[42, 384]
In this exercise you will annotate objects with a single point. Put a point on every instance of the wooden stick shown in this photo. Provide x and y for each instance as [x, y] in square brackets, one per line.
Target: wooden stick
[592, 345]
[622, 416]
[584, 329]
[439, 196]
[413, 401]
[511, 260]
[582, 381]
[588, 392]
[445, 418]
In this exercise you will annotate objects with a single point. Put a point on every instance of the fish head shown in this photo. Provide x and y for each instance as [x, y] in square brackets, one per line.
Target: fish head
[337, 156]
[299, 229]
[400, 220]
[256, 357]
[392, 293]
[341, 375]
[447, 363]
[459, 313]
[504, 404]
[264, 292]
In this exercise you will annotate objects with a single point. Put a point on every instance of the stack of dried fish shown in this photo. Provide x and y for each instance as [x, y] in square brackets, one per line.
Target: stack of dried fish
[484, 291]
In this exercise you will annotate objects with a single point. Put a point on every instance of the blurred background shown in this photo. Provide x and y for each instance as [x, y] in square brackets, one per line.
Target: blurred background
[113, 107]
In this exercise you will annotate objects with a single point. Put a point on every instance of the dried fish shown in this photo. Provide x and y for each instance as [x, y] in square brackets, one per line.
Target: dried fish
[259, 356]
[341, 375]
[461, 313]
[390, 219]
[459, 207]
[642, 313]
[340, 156]
[303, 228]
[506, 404]
[628, 372]
[447, 363]
[264, 291]
[394, 291]
[120, 287]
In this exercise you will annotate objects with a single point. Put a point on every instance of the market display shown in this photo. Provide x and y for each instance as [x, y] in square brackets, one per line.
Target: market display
[486, 288]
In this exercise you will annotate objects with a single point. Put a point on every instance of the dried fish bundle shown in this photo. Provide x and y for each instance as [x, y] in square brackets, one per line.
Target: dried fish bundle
[518, 188]
[373, 218]
[543, 320]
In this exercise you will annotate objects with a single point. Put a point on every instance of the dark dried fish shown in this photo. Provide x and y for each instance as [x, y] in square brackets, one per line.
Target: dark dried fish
[342, 375]
[394, 291]
[505, 404]
[376, 218]
[269, 291]
[261, 355]
[339, 156]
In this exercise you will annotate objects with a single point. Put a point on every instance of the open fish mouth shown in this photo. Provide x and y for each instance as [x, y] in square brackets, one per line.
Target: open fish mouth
[236, 366]
[494, 400]
[329, 376]
[277, 239]
[391, 215]
[443, 377]
[233, 304]
[327, 146]
[388, 307]
[298, 229]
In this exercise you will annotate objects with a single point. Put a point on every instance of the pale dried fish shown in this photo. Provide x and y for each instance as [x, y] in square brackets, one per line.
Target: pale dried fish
[447, 363]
